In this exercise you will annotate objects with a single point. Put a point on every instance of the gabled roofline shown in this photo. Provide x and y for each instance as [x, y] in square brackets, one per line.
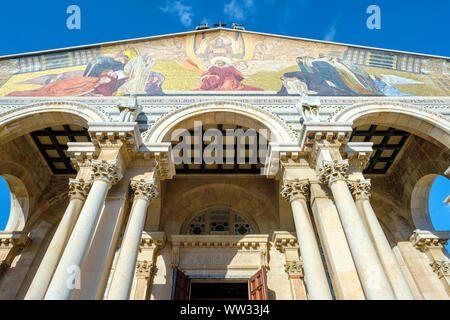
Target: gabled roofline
[211, 30]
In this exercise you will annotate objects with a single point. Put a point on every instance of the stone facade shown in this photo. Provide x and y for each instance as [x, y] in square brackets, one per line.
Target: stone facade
[319, 225]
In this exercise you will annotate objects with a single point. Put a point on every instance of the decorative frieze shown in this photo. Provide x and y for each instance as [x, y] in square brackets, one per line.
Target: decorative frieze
[360, 189]
[144, 189]
[294, 268]
[107, 171]
[79, 189]
[332, 171]
[295, 189]
[441, 268]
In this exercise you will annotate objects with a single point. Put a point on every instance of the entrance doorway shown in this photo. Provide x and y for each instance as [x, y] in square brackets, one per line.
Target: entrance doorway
[219, 291]
[185, 288]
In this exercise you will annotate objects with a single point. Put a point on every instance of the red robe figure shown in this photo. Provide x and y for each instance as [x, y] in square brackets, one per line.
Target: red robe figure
[224, 77]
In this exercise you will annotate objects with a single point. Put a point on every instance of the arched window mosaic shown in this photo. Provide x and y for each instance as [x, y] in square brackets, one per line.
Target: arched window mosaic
[220, 221]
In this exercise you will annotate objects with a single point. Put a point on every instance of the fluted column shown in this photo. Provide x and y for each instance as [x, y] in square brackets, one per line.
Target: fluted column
[144, 192]
[78, 190]
[296, 192]
[361, 191]
[66, 277]
[373, 279]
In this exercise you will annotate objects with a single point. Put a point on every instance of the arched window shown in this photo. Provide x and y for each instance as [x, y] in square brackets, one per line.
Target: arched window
[220, 221]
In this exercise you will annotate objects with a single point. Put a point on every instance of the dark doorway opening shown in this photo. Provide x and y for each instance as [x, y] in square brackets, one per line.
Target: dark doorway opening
[219, 291]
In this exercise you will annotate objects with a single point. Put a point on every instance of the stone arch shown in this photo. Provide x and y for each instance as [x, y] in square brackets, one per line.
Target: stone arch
[20, 203]
[425, 124]
[242, 114]
[248, 203]
[25, 119]
[419, 202]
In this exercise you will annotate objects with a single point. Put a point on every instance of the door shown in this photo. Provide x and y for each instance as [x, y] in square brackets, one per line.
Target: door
[257, 286]
[181, 285]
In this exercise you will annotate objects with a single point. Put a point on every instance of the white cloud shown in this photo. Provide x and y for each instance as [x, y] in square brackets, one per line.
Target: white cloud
[331, 32]
[182, 11]
[236, 10]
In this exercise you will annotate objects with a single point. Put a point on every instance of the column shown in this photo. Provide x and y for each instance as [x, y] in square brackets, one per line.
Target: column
[373, 279]
[144, 192]
[78, 190]
[361, 191]
[66, 278]
[96, 265]
[296, 192]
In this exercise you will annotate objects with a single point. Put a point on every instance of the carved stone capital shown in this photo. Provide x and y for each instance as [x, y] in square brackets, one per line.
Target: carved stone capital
[107, 171]
[294, 268]
[441, 267]
[425, 240]
[144, 269]
[360, 189]
[144, 189]
[79, 189]
[295, 189]
[332, 171]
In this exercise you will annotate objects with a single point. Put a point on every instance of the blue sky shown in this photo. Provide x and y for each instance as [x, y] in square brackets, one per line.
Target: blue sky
[407, 25]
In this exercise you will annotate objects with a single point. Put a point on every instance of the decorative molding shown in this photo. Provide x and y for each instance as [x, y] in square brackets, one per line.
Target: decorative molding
[425, 240]
[82, 153]
[108, 134]
[221, 103]
[311, 132]
[294, 268]
[360, 189]
[358, 153]
[295, 189]
[256, 243]
[441, 268]
[332, 171]
[144, 189]
[107, 171]
[284, 240]
[79, 189]
[10, 244]
[162, 154]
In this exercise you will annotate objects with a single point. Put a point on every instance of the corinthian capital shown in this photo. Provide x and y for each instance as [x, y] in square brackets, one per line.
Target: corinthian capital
[294, 268]
[332, 171]
[295, 189]
[441, 267]
[79, 189]
[360, 189]
[107, 171]
[144, 189]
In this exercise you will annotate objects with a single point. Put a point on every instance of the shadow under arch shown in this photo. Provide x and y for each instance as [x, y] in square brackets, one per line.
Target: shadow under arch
[425, 124]
[25, 119]
[251, 206]
[242, 113]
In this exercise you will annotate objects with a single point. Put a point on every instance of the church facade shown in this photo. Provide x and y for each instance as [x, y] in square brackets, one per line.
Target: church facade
[223, 164]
